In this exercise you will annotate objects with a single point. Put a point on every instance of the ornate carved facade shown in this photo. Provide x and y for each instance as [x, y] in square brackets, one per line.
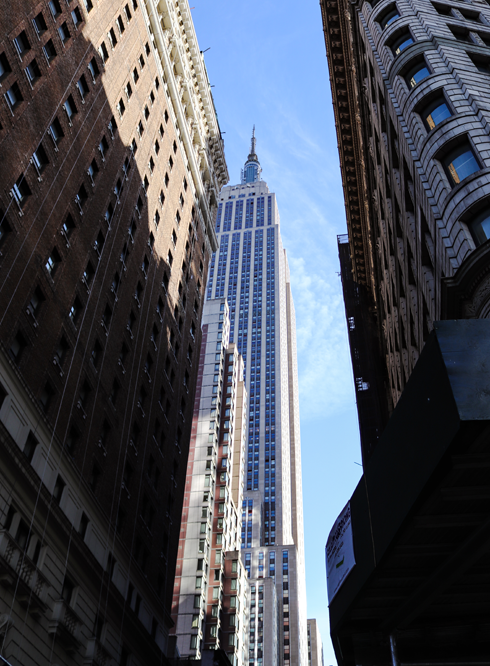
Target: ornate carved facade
[410, 86]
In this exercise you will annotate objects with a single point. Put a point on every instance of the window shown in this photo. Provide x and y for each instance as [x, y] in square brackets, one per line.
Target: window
[52, 262]
[197, 601]
[39, 24]
[5, 228]
[33, 72]
[93, 69]
[121, 108]
[460, 163]
[401, 43]
[104, 54]
[49, 51]
[70, 109]
[75, 311]
[61, 351]
[17, 347]
[55, 8]
[5, 68]
[480, 226]
[112, 38]
[136, 76]
[461, 34]
[388, 17]
[68, 587]
[128, 13]
[82, 87]
[13, 96]
[59, 486]
[81, 198]
[92, 171]
[128, 90]
[435, 112]
[21, 191]
[88, 5]
[416, 74]
[56, 131]
[103, 148]
[96, 353]
[64, 33]
[88, 275]
[147, 112]
[444, 10]
[120, 24]
[22, 44]
[35, 304]
[141, 61]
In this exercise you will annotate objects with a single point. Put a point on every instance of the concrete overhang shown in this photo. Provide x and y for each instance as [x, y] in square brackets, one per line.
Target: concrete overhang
[421, 517]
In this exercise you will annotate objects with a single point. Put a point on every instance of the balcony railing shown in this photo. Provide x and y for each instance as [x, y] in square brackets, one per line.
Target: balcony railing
[16, 566]
[96, 654]
[65, 625]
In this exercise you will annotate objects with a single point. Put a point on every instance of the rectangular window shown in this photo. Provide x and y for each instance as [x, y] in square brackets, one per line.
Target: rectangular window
[49, 51]
[64, 33]
[13, 96]
[33, 72]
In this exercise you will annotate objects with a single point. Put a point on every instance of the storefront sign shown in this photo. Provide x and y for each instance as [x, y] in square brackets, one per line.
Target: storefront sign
[339, 552]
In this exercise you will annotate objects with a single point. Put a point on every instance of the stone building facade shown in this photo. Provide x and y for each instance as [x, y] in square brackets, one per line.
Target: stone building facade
[251, 271]
[409, 84]
[112, 161]
[211, 591]
[315, 647]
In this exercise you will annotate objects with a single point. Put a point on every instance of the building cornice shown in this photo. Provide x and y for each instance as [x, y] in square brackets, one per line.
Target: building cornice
[339, 40]
[187, 87]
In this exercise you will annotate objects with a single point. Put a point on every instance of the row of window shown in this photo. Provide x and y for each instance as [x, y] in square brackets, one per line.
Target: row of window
[22, 45]
[121, 27]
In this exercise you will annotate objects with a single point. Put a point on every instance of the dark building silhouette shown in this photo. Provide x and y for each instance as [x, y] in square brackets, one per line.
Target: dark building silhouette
[111, 164]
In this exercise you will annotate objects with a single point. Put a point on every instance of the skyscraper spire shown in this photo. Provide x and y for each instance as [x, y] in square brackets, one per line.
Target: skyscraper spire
[252, 152]
[251, 171]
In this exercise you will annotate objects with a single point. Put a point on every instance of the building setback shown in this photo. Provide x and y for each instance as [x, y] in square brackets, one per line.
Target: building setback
[410, 92]
[211, 588]
[112, 161]
[250, 270]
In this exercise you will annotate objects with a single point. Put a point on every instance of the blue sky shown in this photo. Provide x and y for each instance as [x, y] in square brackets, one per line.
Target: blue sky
[268, 67]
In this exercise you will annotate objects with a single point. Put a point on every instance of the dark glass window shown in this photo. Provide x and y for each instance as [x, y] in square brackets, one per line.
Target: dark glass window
[417, 74]
[388, 17]
[435, 113]
[460, 163]
[480, 227]
[402, 43]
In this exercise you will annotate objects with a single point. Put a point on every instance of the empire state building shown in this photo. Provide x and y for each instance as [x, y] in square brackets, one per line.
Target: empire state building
[250, 270]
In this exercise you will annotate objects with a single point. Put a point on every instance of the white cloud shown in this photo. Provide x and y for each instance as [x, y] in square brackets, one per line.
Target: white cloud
[325, 374]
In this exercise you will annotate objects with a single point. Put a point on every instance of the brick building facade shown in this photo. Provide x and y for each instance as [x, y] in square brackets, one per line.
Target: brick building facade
[112, 159]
